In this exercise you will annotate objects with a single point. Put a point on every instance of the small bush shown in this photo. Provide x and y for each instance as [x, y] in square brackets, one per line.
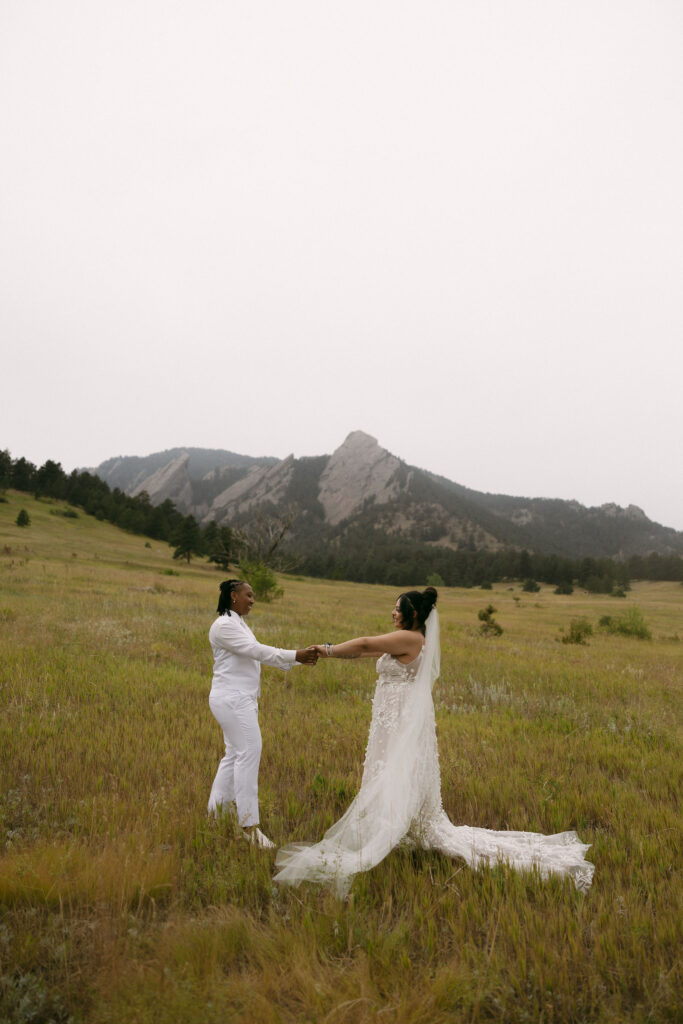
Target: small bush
[486, 585]
[169, 572]
[618, 592]
[67, 513]
[435, 580]
[489, 626]
[23, 519]
[262, 579]
[631, 623]
[578, 630]
[27, 999]
[147, 544]
[564, 588]
[531, 587]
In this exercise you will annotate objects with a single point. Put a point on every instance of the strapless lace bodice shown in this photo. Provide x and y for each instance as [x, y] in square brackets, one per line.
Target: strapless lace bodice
[391, 670]
[394, 680]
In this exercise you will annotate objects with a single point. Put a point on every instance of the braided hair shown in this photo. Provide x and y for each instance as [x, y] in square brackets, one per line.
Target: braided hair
[415, 607]
[227, 588]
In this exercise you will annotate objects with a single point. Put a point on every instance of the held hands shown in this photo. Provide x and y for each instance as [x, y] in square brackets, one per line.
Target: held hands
[322, 650]
[307, 656]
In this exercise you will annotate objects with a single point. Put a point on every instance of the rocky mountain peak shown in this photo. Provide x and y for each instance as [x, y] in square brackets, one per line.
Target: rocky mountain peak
[357, 471]
[261, 484]
[358, 440]
[363, 485]
[630, 512]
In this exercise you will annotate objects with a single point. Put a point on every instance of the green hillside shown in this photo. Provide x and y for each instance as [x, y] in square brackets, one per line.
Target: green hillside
[121, 902]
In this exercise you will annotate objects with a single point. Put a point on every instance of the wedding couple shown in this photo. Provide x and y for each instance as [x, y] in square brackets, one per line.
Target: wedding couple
[400, 795]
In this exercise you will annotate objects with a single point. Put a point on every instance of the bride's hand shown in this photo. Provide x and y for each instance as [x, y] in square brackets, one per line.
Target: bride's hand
[320, 648]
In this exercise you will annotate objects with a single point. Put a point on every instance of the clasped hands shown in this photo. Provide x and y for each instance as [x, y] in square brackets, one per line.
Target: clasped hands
[309, 655]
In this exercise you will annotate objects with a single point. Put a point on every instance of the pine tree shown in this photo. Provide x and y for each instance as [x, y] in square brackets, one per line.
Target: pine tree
[187, 539]
[221, 546]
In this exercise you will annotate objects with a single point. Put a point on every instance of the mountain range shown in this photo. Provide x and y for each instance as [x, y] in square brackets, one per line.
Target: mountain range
[363, 486]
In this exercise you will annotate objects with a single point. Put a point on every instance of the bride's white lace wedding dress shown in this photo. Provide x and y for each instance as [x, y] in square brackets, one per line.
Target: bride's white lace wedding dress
[400, 796]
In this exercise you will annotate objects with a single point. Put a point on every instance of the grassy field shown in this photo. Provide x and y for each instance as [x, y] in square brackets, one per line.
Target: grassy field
[121, 902]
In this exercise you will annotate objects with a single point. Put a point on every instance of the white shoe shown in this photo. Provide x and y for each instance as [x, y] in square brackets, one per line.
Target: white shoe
[256, 837]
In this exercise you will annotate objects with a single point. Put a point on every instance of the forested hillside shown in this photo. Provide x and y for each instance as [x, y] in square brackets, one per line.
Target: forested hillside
[364, 550]
[361, 488]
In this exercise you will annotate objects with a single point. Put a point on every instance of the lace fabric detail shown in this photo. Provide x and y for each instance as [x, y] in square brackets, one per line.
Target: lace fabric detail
[387, 707]
[392, 671]
[399, 800]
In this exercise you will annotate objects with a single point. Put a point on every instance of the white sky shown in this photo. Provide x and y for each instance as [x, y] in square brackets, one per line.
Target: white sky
[260, 225]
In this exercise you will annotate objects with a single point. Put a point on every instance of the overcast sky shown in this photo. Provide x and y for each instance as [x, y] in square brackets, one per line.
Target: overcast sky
[258, 226]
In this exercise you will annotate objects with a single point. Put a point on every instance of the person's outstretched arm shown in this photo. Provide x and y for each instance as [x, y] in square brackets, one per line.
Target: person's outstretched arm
[398, 643]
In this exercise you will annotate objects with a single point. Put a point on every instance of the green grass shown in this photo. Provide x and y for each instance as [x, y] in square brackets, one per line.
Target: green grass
[121, 902]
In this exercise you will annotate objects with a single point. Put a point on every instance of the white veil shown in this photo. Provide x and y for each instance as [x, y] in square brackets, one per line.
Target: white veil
[389, 801]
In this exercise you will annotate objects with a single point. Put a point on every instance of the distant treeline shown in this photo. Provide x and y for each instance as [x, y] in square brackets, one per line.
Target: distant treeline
[377, 558]
[365, 556]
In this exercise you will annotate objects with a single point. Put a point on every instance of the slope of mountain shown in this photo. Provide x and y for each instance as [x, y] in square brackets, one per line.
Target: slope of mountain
[361, 486]
[189, 477]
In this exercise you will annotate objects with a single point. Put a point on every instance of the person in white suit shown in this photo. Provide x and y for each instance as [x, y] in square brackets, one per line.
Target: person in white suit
[235, 689]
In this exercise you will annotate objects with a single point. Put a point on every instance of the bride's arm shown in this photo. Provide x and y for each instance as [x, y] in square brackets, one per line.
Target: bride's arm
[401, 641]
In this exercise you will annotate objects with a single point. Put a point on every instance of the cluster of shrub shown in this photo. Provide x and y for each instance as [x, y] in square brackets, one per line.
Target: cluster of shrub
[361, 555]
[631, 623]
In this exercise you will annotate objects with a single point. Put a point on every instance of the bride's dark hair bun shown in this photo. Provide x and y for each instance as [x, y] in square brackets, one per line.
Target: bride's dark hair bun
[415, 606]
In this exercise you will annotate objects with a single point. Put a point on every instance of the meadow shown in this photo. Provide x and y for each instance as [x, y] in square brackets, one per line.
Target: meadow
[120, 901]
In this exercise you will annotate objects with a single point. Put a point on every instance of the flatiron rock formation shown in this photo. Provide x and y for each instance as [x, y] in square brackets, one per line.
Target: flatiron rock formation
[363, 487]
[358, 471]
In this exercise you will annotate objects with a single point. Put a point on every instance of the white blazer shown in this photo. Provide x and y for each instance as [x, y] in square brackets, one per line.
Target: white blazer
[238, 656]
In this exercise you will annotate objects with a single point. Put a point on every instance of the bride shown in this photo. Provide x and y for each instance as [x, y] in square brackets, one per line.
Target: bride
[400, 795]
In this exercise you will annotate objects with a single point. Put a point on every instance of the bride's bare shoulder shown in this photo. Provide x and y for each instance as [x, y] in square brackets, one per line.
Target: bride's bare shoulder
[401, 643]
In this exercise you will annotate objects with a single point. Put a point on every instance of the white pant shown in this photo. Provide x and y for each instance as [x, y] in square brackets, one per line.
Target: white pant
[237, 776]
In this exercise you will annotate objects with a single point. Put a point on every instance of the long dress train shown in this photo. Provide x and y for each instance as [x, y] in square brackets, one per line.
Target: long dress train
[400, 796]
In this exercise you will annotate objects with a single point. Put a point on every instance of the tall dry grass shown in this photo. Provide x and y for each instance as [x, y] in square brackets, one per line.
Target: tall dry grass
[122, 902]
